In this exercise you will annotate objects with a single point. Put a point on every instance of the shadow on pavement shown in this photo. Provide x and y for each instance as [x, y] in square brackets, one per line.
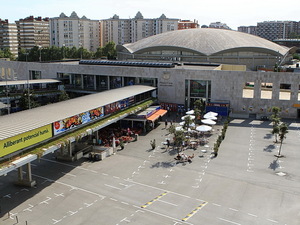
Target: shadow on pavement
[274, 165]
[163, 165]
[269, 148]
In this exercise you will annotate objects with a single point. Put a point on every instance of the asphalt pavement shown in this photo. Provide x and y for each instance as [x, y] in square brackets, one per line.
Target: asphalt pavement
[245, 184]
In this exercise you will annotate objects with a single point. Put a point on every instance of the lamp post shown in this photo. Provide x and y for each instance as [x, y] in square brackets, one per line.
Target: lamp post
[80, 44]
[40, 57]
[7, 96]
[28, 78]
[63, 49]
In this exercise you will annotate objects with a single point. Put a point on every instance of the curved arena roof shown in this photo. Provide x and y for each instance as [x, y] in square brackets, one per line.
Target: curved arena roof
[205, 41]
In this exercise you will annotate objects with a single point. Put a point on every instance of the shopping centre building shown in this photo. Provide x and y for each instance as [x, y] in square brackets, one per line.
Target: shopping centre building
[216, 65]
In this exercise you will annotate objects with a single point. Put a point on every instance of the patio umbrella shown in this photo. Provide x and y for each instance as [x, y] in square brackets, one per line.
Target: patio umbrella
[211, 118]
[191, 112]
[178, 128]
[191, 117]
[203, 128]
[210, 114]
[209, 122]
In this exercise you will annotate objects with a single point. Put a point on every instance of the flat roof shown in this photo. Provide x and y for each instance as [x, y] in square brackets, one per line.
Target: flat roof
[20, 122]
[18, 82]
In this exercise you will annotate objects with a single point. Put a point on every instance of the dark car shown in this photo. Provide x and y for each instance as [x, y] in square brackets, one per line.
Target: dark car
[264, 118]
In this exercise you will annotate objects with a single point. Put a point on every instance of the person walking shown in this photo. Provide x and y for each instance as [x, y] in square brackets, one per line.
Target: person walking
[168, 144]
[166, 124]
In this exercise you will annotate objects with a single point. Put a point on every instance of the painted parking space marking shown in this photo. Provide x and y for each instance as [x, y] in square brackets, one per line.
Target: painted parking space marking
[228, 221]
[194, 211]
[155, 199]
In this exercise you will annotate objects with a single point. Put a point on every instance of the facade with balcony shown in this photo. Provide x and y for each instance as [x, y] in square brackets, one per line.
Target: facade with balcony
[74, 31]
[8, 37]
[123, 31]
[33, 31]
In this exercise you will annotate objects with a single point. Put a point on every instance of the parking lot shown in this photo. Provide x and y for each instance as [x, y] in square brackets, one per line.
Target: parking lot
[245, 184]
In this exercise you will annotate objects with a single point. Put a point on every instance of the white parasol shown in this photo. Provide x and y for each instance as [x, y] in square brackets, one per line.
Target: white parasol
[178, 128]
[191, 112]
[203, 128]
[210, 114]
[208, 121]
[211, 118]
[191, 117]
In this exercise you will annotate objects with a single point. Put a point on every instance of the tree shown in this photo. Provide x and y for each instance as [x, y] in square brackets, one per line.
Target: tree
[6, 53]
[26, 102]
[171, 129]
[187, 122]
[283, 130]
[275, 121]
[197, 113]
[99, 53]
[109, 50]
[63, 96]
[179, 137]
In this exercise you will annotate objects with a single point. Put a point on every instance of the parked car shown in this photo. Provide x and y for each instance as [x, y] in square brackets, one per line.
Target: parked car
[264, 118]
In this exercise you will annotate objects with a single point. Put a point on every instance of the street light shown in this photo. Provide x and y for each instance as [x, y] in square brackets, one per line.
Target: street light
[40, 57]
[7, 95]
[80, 44]
[28, 87]
[63, 48]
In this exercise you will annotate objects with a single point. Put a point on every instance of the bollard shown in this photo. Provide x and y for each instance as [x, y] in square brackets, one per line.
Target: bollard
[26, 222]
[17, 219]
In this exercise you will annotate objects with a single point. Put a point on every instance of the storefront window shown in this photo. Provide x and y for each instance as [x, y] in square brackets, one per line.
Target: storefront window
[102, 83]
[88, 81]
[197, 89]
[115, 82]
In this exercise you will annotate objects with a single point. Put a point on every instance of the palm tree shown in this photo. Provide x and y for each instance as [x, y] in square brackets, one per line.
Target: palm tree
[283, 130]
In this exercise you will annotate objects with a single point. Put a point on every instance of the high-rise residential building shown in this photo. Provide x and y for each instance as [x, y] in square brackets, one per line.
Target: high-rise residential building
[123, 31]
[33, 32]
[187, 24]
[219, 25]
[248, 29]
[272, 30]
[8, 37]
[74, 31]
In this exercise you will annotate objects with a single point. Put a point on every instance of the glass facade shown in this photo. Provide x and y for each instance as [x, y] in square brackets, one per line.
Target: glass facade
[197, 89]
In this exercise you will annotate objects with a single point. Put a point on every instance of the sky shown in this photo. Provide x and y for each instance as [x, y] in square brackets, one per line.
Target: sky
[234, 13]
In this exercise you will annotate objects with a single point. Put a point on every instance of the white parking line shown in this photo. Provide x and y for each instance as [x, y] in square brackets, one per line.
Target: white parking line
[72, 175]
[68, 185]
[112, 187]
[273, 221]
[167, 202]
[163, 215]
[216, 204]
[229, 221]
[234, 209]
[252, 215]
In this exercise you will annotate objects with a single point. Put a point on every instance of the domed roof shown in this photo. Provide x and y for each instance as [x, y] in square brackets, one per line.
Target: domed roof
[205, 41]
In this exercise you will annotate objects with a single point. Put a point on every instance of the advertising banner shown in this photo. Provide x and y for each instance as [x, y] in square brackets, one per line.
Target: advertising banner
[18, 142]
[77, 120]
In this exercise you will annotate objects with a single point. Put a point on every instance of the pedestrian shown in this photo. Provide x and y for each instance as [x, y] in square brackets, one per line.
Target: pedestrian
[168, 144]
[171, 122]
[166, 124]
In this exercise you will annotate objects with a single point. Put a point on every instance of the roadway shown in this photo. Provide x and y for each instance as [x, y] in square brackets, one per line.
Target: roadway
[244, 185]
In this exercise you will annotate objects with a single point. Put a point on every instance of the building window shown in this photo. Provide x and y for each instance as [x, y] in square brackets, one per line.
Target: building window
[266, 90]
[248, 90]
[285, 92]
